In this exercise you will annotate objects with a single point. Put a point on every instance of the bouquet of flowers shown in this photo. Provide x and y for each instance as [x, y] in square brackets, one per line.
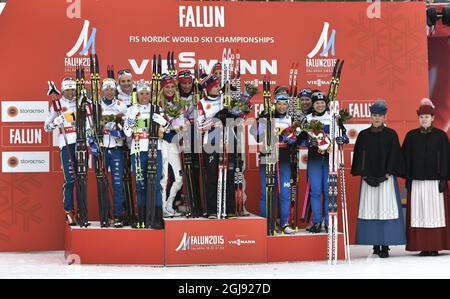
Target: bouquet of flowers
[315, 130]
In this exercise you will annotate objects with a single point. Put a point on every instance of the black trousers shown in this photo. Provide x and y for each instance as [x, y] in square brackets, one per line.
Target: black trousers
[211, 162]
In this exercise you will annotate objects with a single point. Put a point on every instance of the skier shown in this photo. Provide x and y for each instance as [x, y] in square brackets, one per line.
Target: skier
[318, 155]
[306, 102]
[136, 126]
[283, 122]
[125, 89]
[67, 156]
[426, 151]
[113, 112]
[186, 88]
[378, 160]
[174, 114]
[125, 86]
[211, 119]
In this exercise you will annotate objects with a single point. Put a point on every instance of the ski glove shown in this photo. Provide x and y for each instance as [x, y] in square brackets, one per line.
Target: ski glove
[58, 120]
[290, 140]
[222, 115]
[94, 147]
[116, 133]
[110, 126]
[160, 120]
[340, 140]
[312, 143]
[131, 122]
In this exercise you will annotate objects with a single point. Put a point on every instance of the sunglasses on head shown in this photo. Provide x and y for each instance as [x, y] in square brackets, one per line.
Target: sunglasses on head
[124, 72]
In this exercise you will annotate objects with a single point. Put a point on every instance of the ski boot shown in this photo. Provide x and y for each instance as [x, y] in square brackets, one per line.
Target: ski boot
[118, 222]
[287, 230]
[141, 218]
[316, 228]
[231, 216]
[70, 218]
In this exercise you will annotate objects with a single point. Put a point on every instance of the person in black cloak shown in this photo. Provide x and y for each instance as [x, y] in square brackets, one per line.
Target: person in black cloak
[426, 151]
[378, 160]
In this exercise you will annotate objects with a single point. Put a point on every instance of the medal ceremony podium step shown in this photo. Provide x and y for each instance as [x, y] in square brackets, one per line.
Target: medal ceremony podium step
[301, 247]
[194, 241]
[124, 246]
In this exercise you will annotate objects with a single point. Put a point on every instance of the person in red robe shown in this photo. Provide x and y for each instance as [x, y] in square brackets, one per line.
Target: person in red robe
[426, 151]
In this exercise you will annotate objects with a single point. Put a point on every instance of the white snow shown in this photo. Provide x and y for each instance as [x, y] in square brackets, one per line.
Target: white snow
[401, 264]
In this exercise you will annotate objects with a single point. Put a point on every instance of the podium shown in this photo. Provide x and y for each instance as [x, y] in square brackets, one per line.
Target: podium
[194, 241]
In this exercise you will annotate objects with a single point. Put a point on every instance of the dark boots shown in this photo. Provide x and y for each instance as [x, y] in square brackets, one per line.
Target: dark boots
[376, 249]
[381, 251]
[429, 253]
[316, 228]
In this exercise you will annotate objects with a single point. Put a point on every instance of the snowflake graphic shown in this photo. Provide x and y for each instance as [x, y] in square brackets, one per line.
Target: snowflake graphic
[390, 45]
[18, 204]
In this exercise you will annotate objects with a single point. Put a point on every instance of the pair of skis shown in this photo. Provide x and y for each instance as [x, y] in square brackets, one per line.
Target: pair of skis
[239, 160]
[270, 159]
[199, 163]
[153, 219]
[336, 169]
[103, 191]
[294, 153]
[83, 110]
[223, 155]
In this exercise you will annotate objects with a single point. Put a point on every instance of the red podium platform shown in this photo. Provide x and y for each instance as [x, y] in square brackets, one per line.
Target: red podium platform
[196, 241]
[302, 246]
[95, 245]
[204, 241]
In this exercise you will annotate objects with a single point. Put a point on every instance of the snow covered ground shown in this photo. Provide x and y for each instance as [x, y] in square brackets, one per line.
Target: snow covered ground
[401, 264]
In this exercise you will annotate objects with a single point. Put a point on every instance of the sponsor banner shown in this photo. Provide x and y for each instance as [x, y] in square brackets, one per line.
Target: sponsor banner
[25, 162]
[203, 241]
[24, 111]
[32, 135]
[353, 131]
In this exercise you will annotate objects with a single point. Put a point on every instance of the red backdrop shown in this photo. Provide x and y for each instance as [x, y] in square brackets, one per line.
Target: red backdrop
[384, 58]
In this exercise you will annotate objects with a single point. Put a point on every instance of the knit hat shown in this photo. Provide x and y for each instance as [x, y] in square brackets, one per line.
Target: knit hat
[318, 96]
[166, 79]
[209, 82]
[216, 67]
[143, 86]
[68, 83]
[306, 92]
[184, 76]
[109, 83]
[282, 89]
[281, 97]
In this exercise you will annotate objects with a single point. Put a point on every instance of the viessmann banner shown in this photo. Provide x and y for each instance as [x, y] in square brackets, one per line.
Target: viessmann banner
[385, 57]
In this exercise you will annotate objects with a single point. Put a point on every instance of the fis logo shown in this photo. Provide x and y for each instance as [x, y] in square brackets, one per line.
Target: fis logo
[324, 42]
[83, 44]
[85, 40]
[185, 243]
[322, 64]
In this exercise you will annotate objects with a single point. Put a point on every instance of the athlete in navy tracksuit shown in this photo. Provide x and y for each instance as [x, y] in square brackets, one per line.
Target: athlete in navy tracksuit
[318, 166]
[283, 175]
